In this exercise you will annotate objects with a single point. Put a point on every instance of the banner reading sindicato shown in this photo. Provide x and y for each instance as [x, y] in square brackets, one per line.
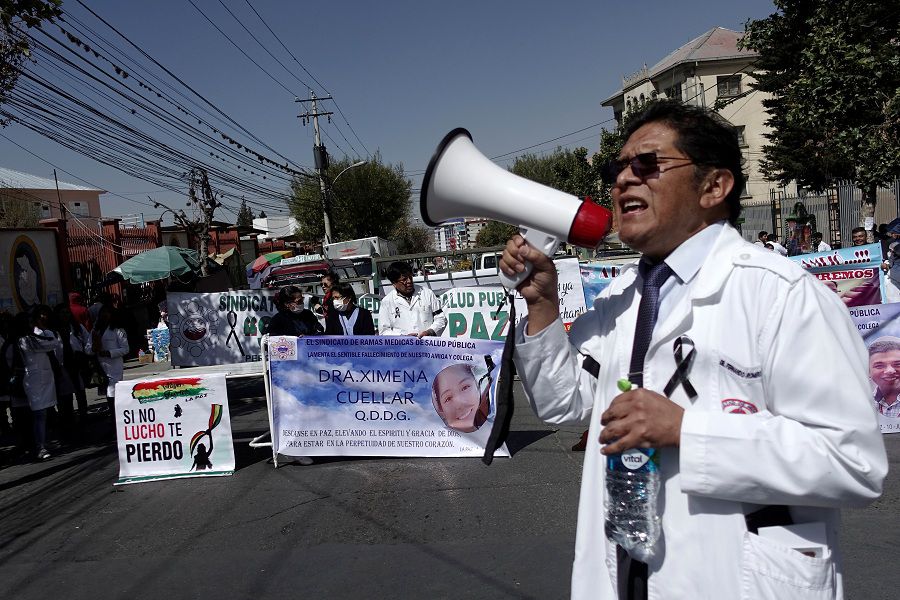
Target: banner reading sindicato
[218, 328]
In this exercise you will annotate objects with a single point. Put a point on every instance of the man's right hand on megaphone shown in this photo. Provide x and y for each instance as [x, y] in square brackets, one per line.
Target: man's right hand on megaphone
[540, 288]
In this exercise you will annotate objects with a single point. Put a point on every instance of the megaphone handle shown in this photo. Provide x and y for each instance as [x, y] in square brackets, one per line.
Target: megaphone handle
[544, 242]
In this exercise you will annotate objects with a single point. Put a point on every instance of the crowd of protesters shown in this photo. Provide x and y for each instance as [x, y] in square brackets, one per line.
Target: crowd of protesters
[49, 358]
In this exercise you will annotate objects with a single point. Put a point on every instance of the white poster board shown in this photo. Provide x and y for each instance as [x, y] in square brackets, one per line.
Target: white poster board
[173, 427]
[218, 328]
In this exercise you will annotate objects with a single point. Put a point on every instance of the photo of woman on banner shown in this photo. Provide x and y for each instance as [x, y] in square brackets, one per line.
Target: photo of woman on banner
[461, 398]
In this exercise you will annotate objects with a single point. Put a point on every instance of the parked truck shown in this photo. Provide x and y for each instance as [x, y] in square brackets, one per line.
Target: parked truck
[361, 252]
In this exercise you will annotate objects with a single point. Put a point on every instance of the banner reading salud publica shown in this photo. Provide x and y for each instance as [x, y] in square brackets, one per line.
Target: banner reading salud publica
[382, 395]
[173, 427]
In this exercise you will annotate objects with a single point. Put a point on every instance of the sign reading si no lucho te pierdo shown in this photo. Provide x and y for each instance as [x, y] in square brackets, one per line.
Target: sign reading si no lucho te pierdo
[173, 427]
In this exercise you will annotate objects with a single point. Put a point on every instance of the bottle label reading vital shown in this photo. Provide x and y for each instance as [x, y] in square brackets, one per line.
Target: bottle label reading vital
[637, 459]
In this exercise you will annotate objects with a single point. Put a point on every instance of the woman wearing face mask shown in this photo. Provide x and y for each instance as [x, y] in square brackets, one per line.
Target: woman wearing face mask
[347, 318]
[292, 318]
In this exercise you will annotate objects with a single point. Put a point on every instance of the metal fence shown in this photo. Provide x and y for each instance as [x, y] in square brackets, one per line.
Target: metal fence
[836, 211]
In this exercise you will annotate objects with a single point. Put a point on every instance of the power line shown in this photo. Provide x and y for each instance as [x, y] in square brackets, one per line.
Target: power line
[305, 70]
[241, 50]
[182, 82]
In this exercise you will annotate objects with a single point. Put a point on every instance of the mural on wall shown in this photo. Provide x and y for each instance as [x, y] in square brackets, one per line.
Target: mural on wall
[29, 270]
[26, 271]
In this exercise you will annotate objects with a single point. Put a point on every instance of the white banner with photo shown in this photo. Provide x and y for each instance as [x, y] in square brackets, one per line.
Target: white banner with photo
[218, 328]
[879, 326]
[382, 396]
[173, 427]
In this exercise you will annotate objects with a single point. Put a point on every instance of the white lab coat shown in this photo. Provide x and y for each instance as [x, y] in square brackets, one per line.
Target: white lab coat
[39, 382]
[767, 334]
[115, 341]
[423, 311]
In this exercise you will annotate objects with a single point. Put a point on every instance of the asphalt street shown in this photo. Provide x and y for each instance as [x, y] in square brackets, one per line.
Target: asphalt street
[406, 528]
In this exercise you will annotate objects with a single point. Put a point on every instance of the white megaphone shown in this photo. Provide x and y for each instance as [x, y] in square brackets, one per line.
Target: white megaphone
[461, 182]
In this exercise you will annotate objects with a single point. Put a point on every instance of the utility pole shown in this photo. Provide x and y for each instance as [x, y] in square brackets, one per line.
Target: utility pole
[319, 154]
[204, 204]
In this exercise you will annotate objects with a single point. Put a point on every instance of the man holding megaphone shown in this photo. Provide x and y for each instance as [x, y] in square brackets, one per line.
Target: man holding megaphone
[730, 356]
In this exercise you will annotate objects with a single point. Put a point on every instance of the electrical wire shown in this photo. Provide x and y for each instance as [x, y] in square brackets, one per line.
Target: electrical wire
[296, 60]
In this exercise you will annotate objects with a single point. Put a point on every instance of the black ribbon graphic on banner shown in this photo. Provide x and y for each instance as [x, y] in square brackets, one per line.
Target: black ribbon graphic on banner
[682, 368]
[232, 322]
[504, 397]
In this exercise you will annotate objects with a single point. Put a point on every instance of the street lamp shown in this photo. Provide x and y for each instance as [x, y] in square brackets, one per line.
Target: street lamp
[327, 216]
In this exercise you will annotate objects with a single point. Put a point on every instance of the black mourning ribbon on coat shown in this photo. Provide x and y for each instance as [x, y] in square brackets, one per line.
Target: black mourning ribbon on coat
[682, 368]
[504, 398]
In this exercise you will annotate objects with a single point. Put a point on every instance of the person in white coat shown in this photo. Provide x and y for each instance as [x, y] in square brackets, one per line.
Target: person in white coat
[41, 351]
[409, 309]
[751, 431]
[110, 344]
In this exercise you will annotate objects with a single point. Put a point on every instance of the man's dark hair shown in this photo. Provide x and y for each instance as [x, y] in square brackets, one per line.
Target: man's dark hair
[857, 230]
[762, 234]
[332, 275]
[398, 269]
[885, 344]
[817, 235]
[705, 137]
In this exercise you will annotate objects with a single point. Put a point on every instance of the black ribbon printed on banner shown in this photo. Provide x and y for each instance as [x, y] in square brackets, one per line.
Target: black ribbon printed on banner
[504, 398]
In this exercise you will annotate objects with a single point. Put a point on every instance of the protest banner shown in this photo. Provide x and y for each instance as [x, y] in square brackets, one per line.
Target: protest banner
[882, 322]
[173, 427]
[852, 273]
[464, 309]
[382, 396]
[595, 278]
[218, 328]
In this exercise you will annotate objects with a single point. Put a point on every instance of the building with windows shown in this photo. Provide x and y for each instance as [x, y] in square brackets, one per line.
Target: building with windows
[473, 228]
[709, 71]
[450, 236]
[45, 197]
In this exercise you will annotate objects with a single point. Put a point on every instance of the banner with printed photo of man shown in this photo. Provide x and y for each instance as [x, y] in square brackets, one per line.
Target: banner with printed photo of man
[218, 328]
[382, 395]
[852, 273]
[173, 427]
[879, 326]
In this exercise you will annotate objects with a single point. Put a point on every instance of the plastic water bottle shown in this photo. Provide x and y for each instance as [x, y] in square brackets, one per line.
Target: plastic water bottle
[632, 487]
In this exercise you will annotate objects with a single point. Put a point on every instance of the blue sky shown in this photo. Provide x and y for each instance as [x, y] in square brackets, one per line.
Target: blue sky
[403, 73]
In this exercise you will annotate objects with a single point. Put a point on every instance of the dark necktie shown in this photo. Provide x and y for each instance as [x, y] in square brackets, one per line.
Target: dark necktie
[633, 573]
[654, 277]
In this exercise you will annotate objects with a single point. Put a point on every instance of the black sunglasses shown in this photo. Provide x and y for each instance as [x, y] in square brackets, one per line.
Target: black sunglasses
[643, 165]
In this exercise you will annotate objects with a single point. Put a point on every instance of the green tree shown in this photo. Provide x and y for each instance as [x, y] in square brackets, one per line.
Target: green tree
[18, 209]
[569, 171]
[566, 170]
[369, 200]
[495, 233]
[413, 239]
[832, 68]
[244, 215]
[15, 17]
